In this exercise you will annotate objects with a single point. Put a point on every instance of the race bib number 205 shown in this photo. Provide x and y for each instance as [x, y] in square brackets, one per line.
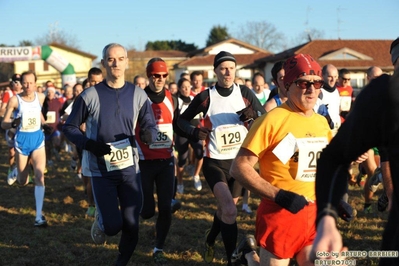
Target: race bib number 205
[121, 155]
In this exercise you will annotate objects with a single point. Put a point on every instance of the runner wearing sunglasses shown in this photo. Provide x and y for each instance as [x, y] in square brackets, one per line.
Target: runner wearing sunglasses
[286, 142]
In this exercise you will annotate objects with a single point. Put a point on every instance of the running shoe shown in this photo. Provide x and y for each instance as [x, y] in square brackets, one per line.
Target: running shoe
[41, 222]
[197, 182]
[97, 234]
[209, 250]
[246, 209]
[176, 205]
[246, 245]
[12, 176]
[159, 258]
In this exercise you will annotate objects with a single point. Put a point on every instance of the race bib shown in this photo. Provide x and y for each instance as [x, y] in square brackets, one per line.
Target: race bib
[51, 117]
[30, 121]
[345, 103]
[164, 137]
[309, 153]
[121, 155]
[229, 138]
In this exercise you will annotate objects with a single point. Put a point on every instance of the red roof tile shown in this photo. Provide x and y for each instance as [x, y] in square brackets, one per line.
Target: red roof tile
[377, 50]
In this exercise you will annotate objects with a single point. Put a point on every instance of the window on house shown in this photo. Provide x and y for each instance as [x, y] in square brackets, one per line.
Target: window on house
[32, 67]
[344, 56]
[45, 66]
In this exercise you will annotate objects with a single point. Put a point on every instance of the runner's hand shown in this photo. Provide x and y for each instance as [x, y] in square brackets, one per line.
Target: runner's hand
[97, 148]
[290, 201]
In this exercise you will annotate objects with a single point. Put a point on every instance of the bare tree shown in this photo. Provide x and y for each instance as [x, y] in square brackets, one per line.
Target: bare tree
[262, 34]
[307, 36]
[59, 36]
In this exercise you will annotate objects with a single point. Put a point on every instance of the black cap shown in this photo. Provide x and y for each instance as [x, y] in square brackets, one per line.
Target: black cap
[16, 77]
[221, 57]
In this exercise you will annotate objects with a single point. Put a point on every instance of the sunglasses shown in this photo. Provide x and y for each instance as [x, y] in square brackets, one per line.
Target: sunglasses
[158, 76]
[305, 84]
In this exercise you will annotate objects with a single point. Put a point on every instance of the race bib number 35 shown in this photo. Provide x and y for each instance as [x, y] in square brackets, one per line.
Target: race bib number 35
[121, 155]
[164, 137]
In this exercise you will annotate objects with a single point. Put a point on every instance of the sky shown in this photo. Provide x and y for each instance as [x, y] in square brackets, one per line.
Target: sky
[95, 23]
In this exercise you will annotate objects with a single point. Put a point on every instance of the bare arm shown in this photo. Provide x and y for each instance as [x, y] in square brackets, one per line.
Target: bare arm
[270, 104]
[328, 239]
[242, 169]
[387, 181]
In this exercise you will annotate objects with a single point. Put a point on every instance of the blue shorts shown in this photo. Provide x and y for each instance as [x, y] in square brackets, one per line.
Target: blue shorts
[27, 142]
[56, 133]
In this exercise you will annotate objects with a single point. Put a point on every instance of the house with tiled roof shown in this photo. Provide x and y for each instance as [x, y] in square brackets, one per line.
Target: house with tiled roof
[80, 60]
[202, 59]
[179, 62]
[355, 55]
[138, 62]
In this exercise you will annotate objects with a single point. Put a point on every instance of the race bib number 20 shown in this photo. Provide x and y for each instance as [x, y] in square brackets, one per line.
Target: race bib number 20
[309, 153]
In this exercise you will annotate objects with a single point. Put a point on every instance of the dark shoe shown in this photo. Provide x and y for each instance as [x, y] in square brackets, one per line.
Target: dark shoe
[97, 234]
[41, 223]
[159, 258]
[246, 245]
[176, 205]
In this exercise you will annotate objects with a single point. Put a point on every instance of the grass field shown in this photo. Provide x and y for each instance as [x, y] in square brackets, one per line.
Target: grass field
[67, 241]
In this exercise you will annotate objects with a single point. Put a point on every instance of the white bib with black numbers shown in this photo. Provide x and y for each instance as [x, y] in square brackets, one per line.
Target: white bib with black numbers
[229, 138]
[309, 153]
[164, 137]
[121, 155]
[30, 122]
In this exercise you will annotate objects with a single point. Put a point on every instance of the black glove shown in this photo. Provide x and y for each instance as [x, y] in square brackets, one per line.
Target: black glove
[247, 114]
[47, 129]
[201, 133]
[16, 122]
[97, 148]
[345, 211]
[290, 201]
[146, 136]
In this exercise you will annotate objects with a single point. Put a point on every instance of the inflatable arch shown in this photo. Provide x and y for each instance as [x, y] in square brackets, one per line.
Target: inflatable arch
[44, 52]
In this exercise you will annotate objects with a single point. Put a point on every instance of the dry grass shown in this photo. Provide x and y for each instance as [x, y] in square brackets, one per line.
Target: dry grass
[67, 241]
